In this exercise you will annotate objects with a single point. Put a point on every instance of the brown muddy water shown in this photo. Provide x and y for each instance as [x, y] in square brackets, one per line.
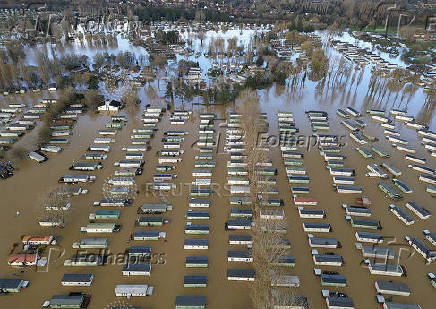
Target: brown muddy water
[26, 188]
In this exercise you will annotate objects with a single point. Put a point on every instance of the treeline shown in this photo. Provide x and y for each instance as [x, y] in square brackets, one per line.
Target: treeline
[174, 14]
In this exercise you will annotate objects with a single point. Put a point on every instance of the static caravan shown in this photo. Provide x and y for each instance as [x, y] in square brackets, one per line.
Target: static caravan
[357, 138]
[240, 239]
[136, 148]
[77, 179]
[129, 172]
[201, 173]
[199, 203]
[136, 269]
[339, 302]
[391, 169]
[59, 141]
[95, 147]
[238, 224]
[421, 248]
[380, 152]
[376, 252]
[392, 288]
[299, 179]
[161, 186]
[285, 261]
[201, 191]
[238, 181]
[431, 237]
[402, 186]
[334, 171]
[100, 228]
[103, 140]
[375, 170]
[327, 259]
[37, 157]
[140, 141]
[169, 159]
[197, 262]
[316, 227]
[113, 202]
[358, 211]
[348, 189]
[239, 190]
[77, 279]
[130, 290]
[154, 208]
[240, 200]
[333, 279]
[91, 243]
[196, 229]
[196, 244]
[240, 274]
[342, 180]
[88, 260]
[273, 202]
[295, 170]
[146, 221]
[272, 214]
[105, 214]
[382, 269]
[190, 302]
[67, 301]
[390, 192]
[364, 223]
[239, 256]
[392, 305]
[300, 190]
[119, 191]
[197, 215]
[170, 152]
[241, 213]
[293, 162]
[237, 171]
[95, 156]
[86, 166]
[130, 163]
[134, 156]
[423, 169]
[401, 214]
[139, 252]
[195, 281]
[369, 237]
[51, 148]
[8, 285]
[148, 235]
[323, 242]
[311, 213]
[303, 201]
[428, 179]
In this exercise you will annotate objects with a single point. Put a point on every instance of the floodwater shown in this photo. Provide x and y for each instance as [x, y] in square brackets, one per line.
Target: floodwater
[26, 188]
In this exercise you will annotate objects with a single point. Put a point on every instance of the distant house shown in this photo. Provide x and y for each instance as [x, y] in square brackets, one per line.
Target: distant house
[52, 87]
[110, 106]
[23, 259]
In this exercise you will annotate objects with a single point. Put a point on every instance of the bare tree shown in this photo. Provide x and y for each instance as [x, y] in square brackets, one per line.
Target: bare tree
[56, 204]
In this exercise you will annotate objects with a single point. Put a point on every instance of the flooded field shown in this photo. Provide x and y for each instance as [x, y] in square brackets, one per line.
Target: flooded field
[24, 192]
